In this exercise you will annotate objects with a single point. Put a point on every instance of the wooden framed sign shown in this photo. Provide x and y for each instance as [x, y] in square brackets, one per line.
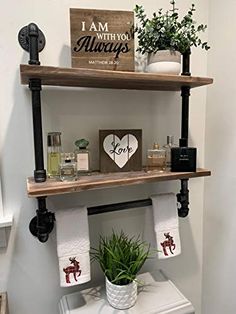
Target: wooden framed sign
[102, 39]
[120, 150]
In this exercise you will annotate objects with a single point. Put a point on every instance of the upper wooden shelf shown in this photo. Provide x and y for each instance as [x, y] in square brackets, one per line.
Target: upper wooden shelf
[99, 181]
[79, 77]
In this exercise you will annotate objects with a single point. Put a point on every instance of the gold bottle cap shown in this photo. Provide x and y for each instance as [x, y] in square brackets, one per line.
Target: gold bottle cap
[156, 146]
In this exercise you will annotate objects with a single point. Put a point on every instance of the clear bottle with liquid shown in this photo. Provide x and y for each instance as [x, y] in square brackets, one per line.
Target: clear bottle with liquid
[53, 154]
[82, 156]
[170, 144]
[67, 167]
[156, 158]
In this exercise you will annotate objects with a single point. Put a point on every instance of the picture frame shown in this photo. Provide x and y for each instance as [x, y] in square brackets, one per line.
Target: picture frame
[120, 150]
[102, 39]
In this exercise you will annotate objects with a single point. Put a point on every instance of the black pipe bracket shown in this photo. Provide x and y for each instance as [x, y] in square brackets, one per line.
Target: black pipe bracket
[42, 224]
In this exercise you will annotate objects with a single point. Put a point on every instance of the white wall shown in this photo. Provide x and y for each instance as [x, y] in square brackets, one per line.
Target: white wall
[28, 269]
[220, 216]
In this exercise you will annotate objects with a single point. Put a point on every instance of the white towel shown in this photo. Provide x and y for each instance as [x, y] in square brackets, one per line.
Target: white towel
[166, 225]
[73, 246]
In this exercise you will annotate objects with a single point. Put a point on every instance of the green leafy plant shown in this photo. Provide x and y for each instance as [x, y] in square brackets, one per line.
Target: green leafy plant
[167, 31]
[121, 257]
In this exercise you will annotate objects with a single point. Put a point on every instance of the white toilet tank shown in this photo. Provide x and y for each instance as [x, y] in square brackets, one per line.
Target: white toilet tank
[158, 295]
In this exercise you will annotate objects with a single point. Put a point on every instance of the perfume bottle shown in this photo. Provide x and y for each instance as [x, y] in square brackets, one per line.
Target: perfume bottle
[170, 144]
[156, 158]
[183, 158]
[82, 156]
[53, 153]
[67, 167]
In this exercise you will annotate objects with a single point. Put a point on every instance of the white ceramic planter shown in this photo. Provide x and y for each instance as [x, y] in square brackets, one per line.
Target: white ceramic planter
[164, 62]
[121, 297]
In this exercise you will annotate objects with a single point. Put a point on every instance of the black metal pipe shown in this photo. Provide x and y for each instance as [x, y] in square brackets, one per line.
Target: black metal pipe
[186, 63]
[35, 87]
[40, 172]
[32, 40]
[42, 204]
[185, 93]
[118, 206]
[183, 196]
[33, 34]
[183, 199]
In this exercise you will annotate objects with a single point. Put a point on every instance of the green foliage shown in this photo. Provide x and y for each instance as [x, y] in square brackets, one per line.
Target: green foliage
[166, 30]
[121, 257]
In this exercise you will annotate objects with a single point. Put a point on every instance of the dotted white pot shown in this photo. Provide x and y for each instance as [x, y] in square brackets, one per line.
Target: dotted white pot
[121, 297]
[164, 62]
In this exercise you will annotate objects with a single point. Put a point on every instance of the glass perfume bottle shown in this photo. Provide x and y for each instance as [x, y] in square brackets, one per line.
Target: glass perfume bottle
[82, 156]
[170, 144]
[67, 167]
[156, 158]
[53, 153]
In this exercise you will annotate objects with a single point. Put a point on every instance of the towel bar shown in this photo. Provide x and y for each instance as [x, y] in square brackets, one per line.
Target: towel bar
[118, 206]
[182, 198]
[42, 224]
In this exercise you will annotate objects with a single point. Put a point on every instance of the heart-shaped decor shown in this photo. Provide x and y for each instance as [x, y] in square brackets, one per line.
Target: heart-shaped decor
[120, 150]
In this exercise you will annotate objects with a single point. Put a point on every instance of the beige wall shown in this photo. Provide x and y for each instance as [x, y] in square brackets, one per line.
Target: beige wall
[28, 269]
[220, 216]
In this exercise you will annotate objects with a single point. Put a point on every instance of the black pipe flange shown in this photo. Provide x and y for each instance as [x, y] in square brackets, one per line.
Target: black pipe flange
[23, 37]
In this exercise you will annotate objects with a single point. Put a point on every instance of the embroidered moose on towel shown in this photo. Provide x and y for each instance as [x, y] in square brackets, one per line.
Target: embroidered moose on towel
[72, 269]
[168, 243]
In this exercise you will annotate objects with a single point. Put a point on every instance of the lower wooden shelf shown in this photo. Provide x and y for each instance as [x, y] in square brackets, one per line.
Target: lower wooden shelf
[99, 181]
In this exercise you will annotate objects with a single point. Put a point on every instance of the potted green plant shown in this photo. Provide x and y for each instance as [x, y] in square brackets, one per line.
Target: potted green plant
[166, 36]
[120, 259]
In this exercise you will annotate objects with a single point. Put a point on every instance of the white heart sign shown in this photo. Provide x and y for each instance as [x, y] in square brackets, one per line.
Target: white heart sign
[120, 150]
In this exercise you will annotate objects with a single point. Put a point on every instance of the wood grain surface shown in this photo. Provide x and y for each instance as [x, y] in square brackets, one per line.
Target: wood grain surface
[99, 181]
[72, 77]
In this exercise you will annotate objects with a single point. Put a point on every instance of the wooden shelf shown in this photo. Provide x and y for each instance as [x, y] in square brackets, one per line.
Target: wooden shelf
[79, 77]
[99, 181]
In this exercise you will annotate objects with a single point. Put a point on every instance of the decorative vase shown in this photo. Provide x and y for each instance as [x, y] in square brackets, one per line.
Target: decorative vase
[121, 297]
[164, 62]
